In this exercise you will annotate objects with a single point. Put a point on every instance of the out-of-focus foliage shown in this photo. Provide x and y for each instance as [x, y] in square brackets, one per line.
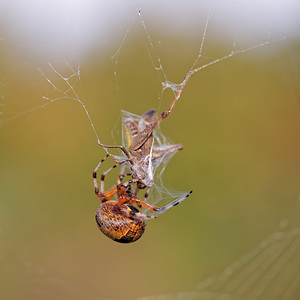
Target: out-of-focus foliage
[239, 124]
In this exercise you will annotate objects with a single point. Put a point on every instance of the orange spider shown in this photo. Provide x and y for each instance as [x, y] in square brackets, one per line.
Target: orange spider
[120, 220]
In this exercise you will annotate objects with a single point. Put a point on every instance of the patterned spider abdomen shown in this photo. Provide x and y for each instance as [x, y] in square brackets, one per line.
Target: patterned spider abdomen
[120, 223]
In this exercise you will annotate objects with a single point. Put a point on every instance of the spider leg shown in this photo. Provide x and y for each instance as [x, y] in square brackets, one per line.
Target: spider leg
[95, 174]
[96, 186]
[139, 214]
[121, 176]
[116, 147]
[146, 195]
[107, 195]
[141, 203]
[137, 189]
[173, 203]
[157, 209]
[122, 170]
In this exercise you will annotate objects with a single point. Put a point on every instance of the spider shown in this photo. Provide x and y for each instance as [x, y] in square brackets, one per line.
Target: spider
[141, 153]
[120, 220]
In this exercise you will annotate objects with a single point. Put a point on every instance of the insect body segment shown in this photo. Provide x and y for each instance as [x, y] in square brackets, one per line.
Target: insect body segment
[140, 148]
[141, 152]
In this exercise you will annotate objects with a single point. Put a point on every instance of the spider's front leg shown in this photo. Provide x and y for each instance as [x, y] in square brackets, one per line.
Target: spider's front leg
[116, 147]
[173, 203]
[104, 196]
[155, 208]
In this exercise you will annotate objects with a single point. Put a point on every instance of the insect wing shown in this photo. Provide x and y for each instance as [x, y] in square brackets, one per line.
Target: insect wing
[147, 119]
[131, 130]
[146, 126]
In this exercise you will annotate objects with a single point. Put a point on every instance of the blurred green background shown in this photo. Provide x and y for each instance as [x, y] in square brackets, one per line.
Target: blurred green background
[239, 123]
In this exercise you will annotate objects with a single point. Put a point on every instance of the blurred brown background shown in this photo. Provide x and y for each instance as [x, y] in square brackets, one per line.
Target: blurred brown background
[239, 123]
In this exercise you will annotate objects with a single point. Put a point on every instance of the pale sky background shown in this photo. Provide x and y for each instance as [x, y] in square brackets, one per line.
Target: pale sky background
[62, 26]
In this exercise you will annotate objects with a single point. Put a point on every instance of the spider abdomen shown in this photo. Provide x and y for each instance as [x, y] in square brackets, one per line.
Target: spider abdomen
[120, 223]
